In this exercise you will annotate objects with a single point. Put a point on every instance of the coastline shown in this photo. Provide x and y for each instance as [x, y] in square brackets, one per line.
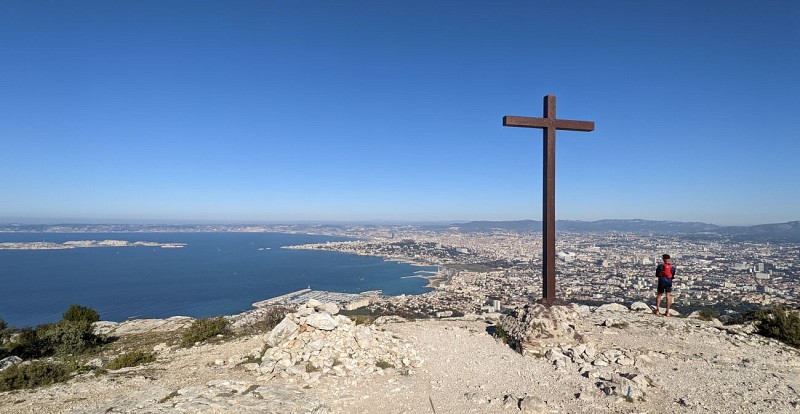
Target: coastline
[433, 279]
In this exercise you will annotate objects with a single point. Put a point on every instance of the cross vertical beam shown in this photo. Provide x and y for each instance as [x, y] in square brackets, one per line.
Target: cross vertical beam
[549, 203]
[549, 124]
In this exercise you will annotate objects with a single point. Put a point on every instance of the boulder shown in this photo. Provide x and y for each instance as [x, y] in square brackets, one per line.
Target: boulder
[363, 336]
[531, 405]
[530, 326]
[640, 307]
[322, 321]
[611, 307]
[328, 307]
[282, 331]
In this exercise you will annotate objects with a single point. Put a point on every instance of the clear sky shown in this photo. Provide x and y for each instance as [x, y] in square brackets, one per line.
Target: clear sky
[263, 111]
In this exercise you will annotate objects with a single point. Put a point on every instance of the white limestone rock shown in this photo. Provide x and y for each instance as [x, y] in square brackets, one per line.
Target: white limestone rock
[611, 307]
[363, 336]
[9, 362]
[328, 307]
[640, 307]
[282, 331]
[322, 321]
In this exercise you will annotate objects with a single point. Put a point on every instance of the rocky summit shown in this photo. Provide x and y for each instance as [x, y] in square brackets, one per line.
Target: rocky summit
[561, 359]
[315, 341]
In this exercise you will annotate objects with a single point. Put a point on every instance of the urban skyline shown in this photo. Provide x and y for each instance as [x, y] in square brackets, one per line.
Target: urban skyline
[356, 111]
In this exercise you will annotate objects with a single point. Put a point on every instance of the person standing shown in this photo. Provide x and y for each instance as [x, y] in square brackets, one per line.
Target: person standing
[665, 273]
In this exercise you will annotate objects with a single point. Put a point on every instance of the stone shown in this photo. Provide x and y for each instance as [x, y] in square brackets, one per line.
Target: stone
[611, 307]
[640, 307]
[322, 321]
[531, 405]
[304, 311]
[282, 331]
[528, 327]
[8, 362]
[328, 307]
[313, 303]
[363, 336]
[315, 345]
[624, 361]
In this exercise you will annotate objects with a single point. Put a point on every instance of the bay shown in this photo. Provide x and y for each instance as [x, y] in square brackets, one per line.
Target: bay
[215, 274]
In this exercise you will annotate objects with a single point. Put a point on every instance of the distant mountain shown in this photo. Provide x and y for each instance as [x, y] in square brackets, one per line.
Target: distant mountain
[779, 232]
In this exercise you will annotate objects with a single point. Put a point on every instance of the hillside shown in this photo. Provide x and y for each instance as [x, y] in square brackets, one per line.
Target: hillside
[456, 366]
[776, 232]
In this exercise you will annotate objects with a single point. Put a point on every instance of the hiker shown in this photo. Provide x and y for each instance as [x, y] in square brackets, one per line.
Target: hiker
[665, 273]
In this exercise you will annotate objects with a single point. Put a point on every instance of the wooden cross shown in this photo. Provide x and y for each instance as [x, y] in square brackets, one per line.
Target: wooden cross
[549, 125]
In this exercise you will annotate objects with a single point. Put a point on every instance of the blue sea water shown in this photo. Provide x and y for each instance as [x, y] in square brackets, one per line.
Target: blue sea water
[215, 274]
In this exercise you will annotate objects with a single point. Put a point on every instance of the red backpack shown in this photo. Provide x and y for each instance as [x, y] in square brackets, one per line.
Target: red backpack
[666, 271]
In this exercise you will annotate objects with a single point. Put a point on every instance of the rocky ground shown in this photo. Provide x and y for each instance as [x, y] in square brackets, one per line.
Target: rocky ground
[607, 359]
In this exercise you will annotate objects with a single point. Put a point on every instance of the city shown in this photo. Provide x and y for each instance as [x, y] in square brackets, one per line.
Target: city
[477, 269]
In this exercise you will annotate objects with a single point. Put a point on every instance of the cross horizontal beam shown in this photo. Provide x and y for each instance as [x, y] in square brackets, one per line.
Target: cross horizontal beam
[562, 124]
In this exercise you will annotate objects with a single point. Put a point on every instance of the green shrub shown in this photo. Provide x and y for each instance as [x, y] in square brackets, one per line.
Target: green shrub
[501, 333]
[383, 364]
[3, 325]
[272, 318]
[32, 375]
[27, 345]
[363, 319]
[203, 329]
[781, 324]
[68, 337]
[131, 359]
[77, 313]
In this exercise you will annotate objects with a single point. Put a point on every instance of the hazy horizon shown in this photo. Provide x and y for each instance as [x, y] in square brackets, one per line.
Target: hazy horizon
[180, 222]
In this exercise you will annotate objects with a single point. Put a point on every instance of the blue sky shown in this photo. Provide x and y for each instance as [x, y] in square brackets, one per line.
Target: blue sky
[263, 111]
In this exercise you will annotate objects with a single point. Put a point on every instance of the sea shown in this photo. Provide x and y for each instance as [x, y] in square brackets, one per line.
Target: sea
[214, 274]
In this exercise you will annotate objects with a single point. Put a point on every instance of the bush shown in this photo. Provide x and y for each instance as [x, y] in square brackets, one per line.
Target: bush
[3, 325]
[27, 345]
[383, 364]
[272, 318]
[203, 329]
[68, 337]
[77, 313]
[131, 359]
[781, 324]
[32, 375]
[62, 338]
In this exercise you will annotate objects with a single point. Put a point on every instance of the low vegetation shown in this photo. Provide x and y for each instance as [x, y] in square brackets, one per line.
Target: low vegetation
[65, 339]
[54, 339]
[131, 359]
[203, 330]
[34, 374]
[272, 318]
[78, 313]
[780, 323]
[383, 364]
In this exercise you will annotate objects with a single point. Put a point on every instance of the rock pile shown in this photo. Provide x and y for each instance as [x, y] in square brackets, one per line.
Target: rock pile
[316, 341]
[529, 327]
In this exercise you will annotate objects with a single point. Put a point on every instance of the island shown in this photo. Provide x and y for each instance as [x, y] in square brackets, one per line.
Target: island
[74, 244]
